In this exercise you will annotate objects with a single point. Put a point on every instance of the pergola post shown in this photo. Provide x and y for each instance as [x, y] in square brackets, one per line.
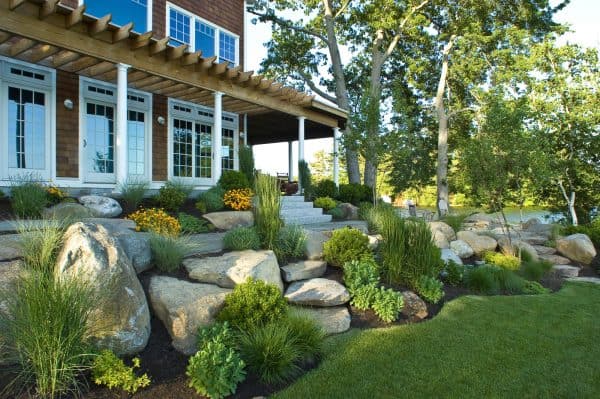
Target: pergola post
[301, 120]
[121, 127]
[218, 137]
[336, 156]
[290, 162]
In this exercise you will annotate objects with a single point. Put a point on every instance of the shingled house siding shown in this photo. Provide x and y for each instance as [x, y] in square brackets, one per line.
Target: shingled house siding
[67, 125]
[160, 148]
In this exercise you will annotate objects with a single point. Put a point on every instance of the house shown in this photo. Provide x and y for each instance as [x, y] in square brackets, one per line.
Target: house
[93, 92]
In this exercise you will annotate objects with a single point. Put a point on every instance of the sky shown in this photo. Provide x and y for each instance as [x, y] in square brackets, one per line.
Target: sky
[582, 15]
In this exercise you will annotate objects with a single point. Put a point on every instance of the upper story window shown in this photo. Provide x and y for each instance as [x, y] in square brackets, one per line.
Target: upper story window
[186, 28]
[123, 12]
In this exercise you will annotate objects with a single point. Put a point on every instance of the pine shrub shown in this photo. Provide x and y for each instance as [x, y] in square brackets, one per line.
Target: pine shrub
[233, 180]
[345, 245]
[172, 195]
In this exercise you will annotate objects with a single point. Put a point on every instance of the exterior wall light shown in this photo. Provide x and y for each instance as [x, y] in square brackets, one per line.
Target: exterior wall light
[68, 104]
[161, 120]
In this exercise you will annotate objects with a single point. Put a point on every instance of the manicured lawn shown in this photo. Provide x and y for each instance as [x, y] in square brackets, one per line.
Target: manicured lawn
[545, 346]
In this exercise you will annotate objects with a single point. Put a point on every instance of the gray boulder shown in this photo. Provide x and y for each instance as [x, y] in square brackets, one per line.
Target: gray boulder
[349, 211]
[317, 292]
[565, 271]
[462, 249]
[555, 259]
[446, 230]
[303, 270]
[577, 247]
[234, 268]
[479, 243]
[102, 207]
[137, 248]
[68, 211]
[314, 244]
[183, 307]
[334, 320]
[543, 250]
[449, 255]
[517, 245]
[229, 220]
[121, 321]
[414, 308]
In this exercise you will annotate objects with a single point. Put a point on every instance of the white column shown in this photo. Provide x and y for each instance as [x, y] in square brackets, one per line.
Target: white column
[336, 156]
[245, 127]
[301, 120]
[217, 136]
[290, 162]
[121, 128]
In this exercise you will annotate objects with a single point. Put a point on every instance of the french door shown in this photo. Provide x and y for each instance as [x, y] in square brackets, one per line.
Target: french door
[99, 142]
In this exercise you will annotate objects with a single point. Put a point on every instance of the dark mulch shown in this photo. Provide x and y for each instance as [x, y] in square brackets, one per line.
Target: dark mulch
[6, 212]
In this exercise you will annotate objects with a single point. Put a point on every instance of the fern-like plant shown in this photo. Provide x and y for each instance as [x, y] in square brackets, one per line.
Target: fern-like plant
[387, 304]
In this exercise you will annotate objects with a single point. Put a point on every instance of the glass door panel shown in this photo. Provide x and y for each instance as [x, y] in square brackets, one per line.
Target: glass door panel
[99, 143]
[203, 151]
[227, 155]
[136, 143]
[182, 148]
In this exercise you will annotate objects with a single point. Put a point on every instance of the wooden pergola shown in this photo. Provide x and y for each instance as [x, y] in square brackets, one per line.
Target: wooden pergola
[47, 33]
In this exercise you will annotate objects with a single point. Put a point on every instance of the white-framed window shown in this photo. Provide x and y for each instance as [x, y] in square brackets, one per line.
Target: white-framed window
[98, 132]
[184, 27]
[191, 144]
[123, 12]
[27, 122]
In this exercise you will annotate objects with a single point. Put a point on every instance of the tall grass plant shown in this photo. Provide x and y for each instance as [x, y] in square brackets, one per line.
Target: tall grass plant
[267, 209]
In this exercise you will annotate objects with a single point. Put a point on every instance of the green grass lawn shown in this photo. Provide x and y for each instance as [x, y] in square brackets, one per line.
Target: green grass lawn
[545, 346]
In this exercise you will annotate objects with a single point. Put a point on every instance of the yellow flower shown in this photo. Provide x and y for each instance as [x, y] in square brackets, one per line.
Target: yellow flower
[155, 220]
[238, 199]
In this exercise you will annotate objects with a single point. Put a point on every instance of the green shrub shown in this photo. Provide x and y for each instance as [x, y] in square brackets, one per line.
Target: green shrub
[290, 243]
[534, 288]
[345, 245]
[326, 203]
[172, 195]
[253, 304]
[482, 280]
[168, 251]
[455, 220]
[246, 159]
[360, 273]
[111, 371]
[191, 224]
[216, 369]
[28, 197]
[355, 193]
[276, 350]
[387, 304]
[241, 238]
[325, 188]
[363, 297]
[211, 200]
[454, 273]
[132, 192]
[509, 281]
[407, 250]
[336, 213]
[267, 210]
[430, 289]
[507, 262]
[40, 245]
[45, 324]
[233, 180]
[534, 270]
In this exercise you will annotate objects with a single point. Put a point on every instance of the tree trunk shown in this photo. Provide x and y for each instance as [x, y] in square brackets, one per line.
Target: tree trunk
[570, 203]
[341, 90]
[442, 156]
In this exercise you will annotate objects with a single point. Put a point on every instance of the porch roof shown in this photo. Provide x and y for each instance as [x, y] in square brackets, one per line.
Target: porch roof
[47, 33]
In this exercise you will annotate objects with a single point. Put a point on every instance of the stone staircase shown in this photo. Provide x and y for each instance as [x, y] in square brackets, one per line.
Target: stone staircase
[294, 210]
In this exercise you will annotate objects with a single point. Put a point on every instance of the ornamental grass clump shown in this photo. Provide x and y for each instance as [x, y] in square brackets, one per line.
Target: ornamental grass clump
[241, 238]
[111, 371]
[345, 245]
[132, 192]
[168, 251]
[155, 221]
[28, 197]
[40, 245]
[290, 243]
[267, 210]
[239, 199]
[173, 194]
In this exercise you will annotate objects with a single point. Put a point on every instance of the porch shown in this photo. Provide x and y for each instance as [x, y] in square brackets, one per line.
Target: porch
[116, 104]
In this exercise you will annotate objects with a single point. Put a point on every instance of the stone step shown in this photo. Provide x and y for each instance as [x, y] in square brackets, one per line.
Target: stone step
[296, 205]
[302, 220]
[303, 270]
[300, 212]
[591, 280]
[292, 198]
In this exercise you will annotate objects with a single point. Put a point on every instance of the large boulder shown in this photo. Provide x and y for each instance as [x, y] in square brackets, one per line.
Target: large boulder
[543, 250]
[462, 249]
[565, 271]
[505, 246]
[577, 247]
[555, 259]
[334, 320]
[121, 321]
[349, 211]
[448, 255]
[137, 248]
[317, 292]
[10, 247]
[442, 234]
[479, 221]
[539, 229]
[68, 211]
[183, 307]
[414, 308]
[234, 268]
[314, 244]
[479, 243]
[102, 207]
[229, 220]
[303, 270]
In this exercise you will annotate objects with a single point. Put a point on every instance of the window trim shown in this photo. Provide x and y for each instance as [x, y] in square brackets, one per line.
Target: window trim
[49, 89]
[193, 17]
[85, 96]
[148, 15]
